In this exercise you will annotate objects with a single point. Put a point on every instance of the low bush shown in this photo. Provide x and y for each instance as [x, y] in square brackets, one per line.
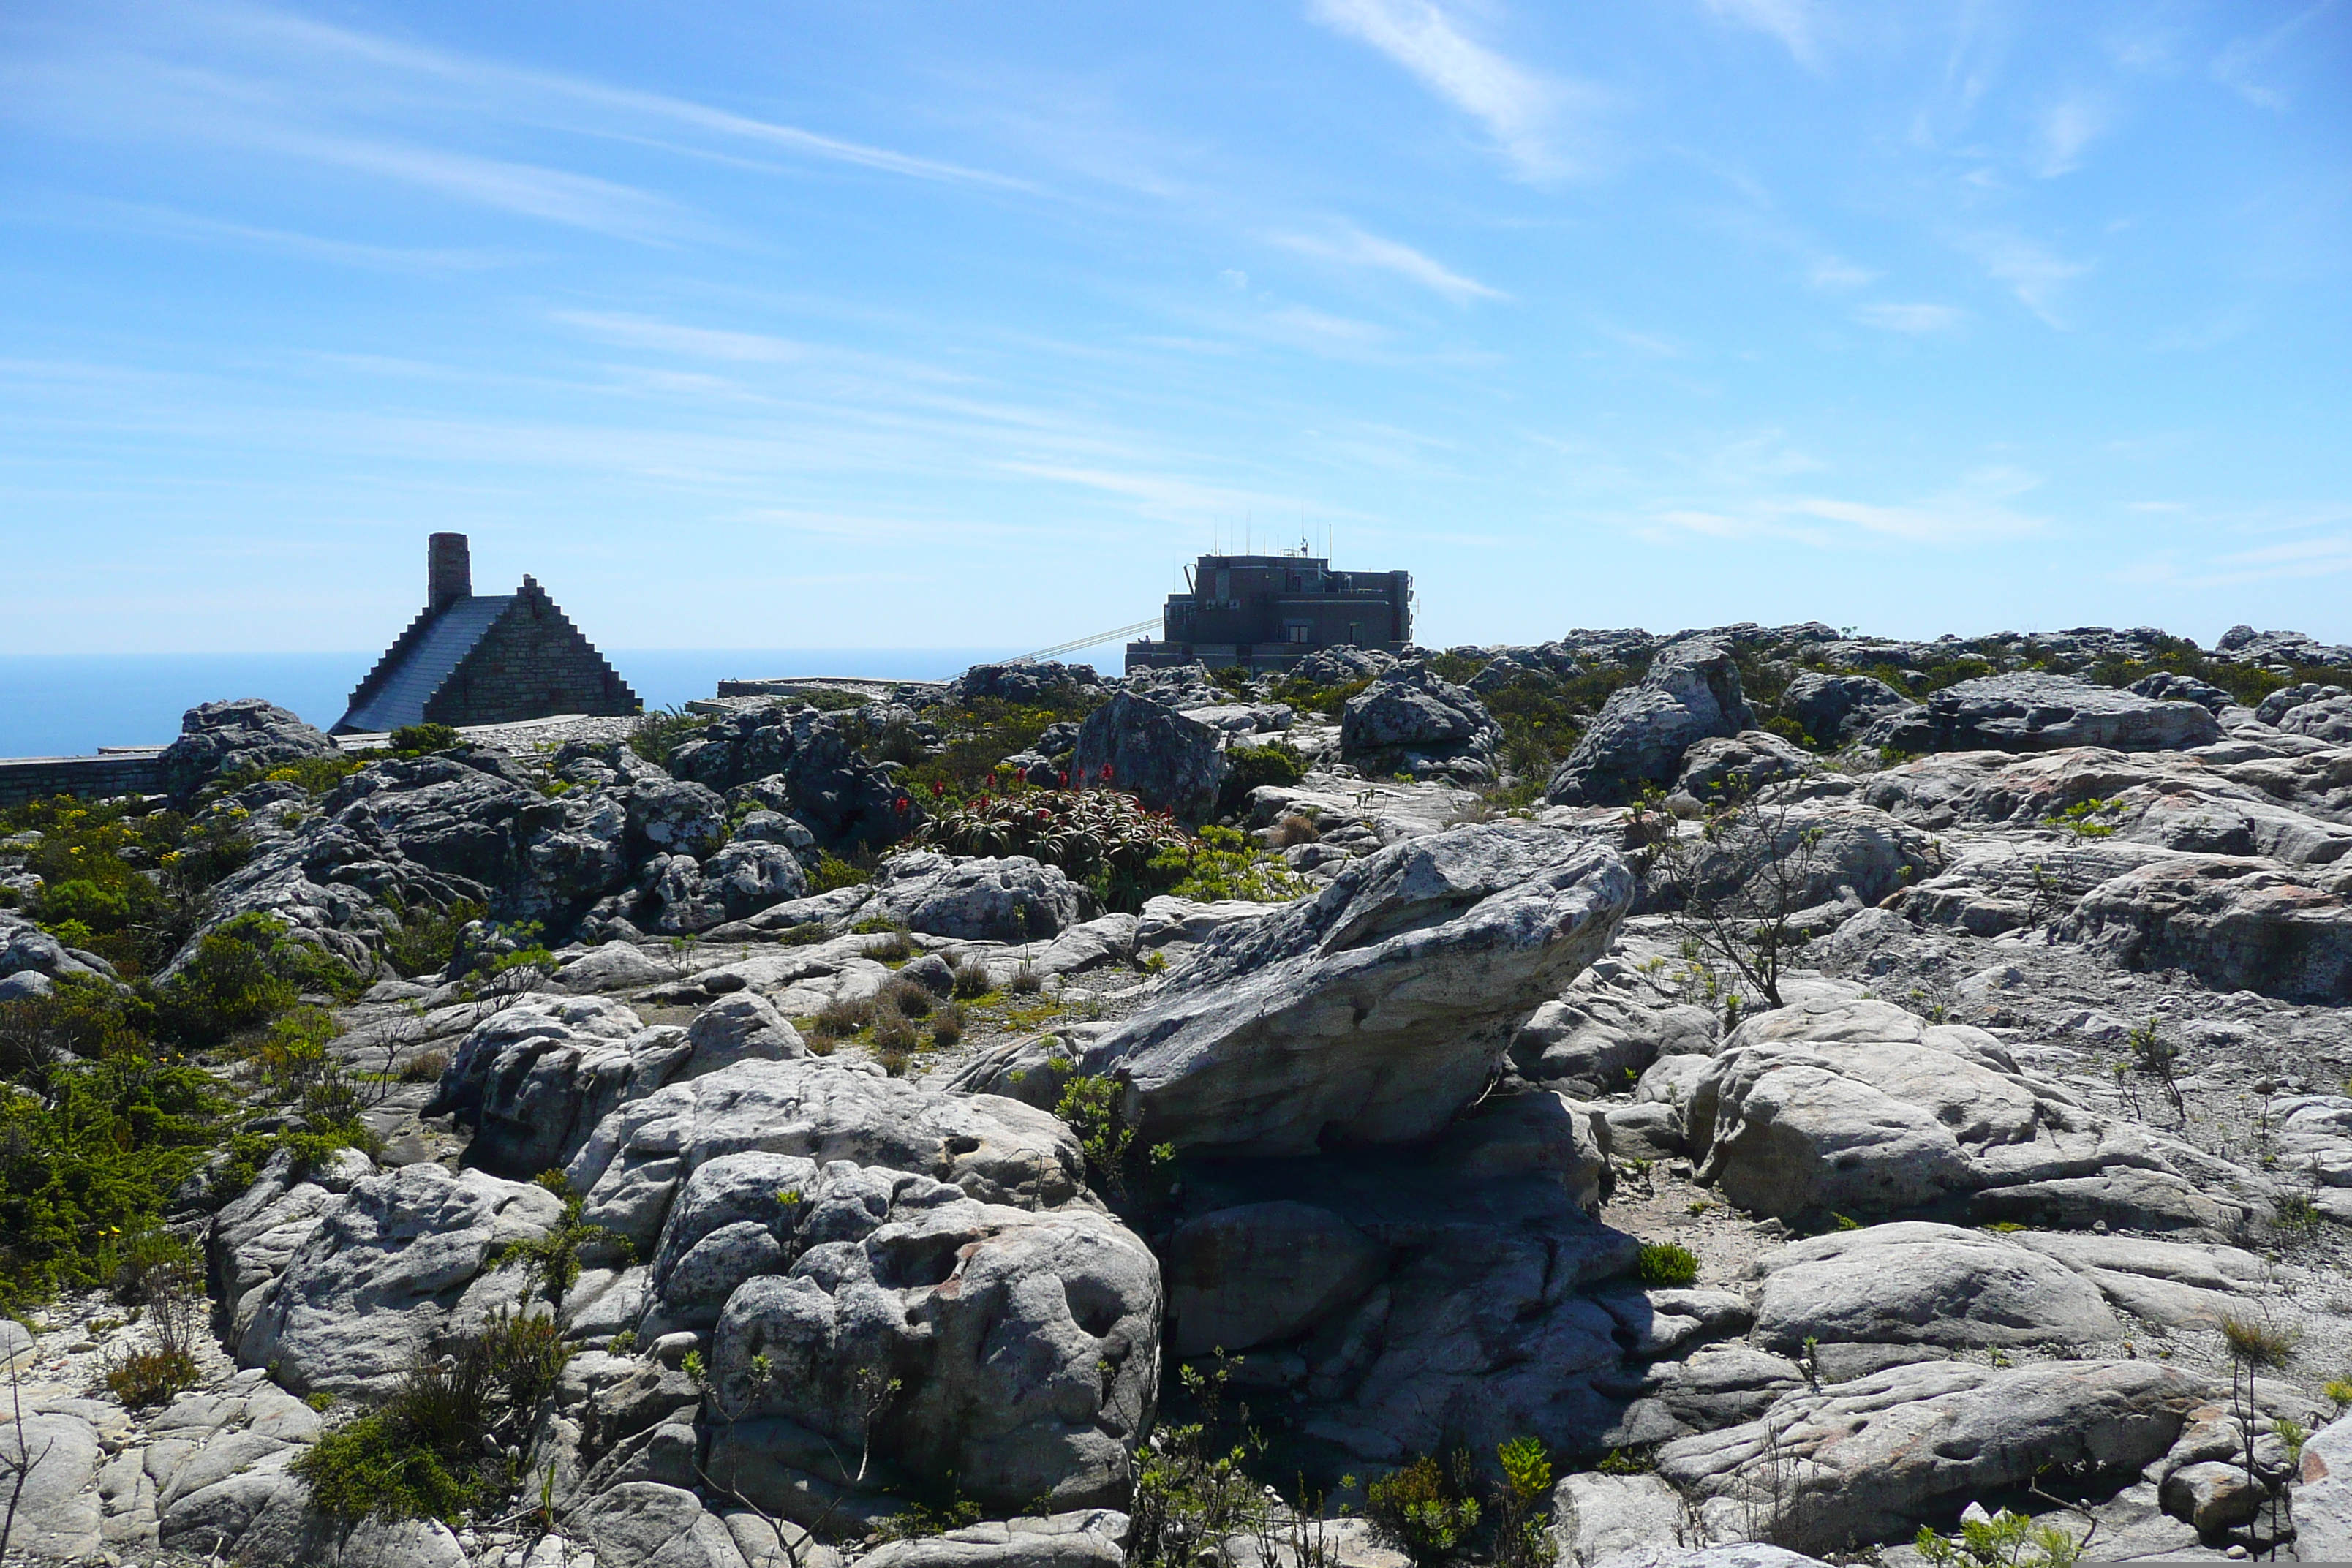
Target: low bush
[968, 977]
[912, 998]
[1425, 1508]
[1666, 1264]
[1278, 762]
[437, 1448]
[947, 1026]
[832, 873]
[426, 939]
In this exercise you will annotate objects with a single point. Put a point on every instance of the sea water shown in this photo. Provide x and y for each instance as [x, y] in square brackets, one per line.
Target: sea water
[54, 705]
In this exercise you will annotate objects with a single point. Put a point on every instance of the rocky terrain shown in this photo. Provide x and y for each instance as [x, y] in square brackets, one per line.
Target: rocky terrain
[1746, 1096]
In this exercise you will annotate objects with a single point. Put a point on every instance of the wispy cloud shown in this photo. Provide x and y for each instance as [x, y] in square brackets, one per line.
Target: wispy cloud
[2036, 274]
[2065, 128]
[1796, 23]
[1974, 511]
[1518, 107]
[2244, 64]
[172, 223]
[1919, 320]
[1352, 246]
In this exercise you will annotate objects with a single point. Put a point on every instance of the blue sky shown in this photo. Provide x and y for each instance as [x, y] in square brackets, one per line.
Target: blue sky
[889, 324]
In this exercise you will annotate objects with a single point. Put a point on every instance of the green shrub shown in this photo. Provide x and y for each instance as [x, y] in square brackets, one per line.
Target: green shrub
[659, 735]
[370, 1467]
[434, 1448]
[1223, 864]
[426, 939]
[417, 740]
[1276, 763]
[831, 872]
[151, 1377]
[88, 904]
[1425, 1508]
[1666, 1264]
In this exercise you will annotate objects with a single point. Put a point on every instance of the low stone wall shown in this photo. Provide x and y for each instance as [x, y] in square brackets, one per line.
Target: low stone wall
[108, 774]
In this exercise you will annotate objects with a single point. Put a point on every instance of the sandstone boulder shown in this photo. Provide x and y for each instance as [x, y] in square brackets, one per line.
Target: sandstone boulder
[534, 1079]
[1927, 1285]
[1372, 1012]
[1847, 1106]
[1878, 1457]
[1690, 693]
[2237, 923]
[1410, 714]
[1165, 760]
[995, 1150]
[393, 1265]
[2030, 710]
[1730, 768]
[1010, 900]
[1015, 1352]
[218, 737]
[1835, 708]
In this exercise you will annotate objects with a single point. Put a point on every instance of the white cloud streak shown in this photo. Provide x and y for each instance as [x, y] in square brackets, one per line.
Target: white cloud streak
[1796, 23]
[1518, 107]
[2036, 275]
[1354, 247]
[2066, 130]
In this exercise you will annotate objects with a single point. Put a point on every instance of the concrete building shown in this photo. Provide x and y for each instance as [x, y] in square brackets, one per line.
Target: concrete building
[473, 658]
[1266, 612]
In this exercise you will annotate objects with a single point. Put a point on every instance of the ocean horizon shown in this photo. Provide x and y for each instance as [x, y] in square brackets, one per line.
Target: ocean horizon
[56, 705]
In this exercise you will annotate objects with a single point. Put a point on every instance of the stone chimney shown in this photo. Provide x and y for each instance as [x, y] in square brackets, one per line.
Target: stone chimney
[449, 571]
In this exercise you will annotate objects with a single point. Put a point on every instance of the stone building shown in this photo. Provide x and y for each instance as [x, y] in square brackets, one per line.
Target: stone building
[482, 659]
[1266, 612]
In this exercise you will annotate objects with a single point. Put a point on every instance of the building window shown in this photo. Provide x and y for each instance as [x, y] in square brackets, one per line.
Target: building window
[1299, 631]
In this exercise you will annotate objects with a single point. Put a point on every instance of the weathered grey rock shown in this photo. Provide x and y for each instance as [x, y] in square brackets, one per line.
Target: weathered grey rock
[1372, 1012]
[2165, 686]
[1477, 1329]
[1010, 900]
[1835, 708]
[1662, 1322]
[2030, 710]
[2183, 1285]
[1856, 1107]
[1691, 692]
[739, 1027]
[751, 875]
[218, 737]
[1924, 1284]
[257, 1233]
[813, 774]
[2329, 720]
[534, 1079]
[2213, 1496]
[58, 1513]
[996, 1150]
[1730, 768]
[2235, 922]
[1598, 1038]
[1086, 1538]
[1742, 1554]
[396, 1263]
[2323, 1495]
[2275, 706]
[1878, 1457]
[613, 967]
[1595, 1516]
[1262, 1272]
[1165, 760]
[1029, 683]
[26, 950]
[1026, 1344]
[1414, 712]
[26, 985]
[645, 1524]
